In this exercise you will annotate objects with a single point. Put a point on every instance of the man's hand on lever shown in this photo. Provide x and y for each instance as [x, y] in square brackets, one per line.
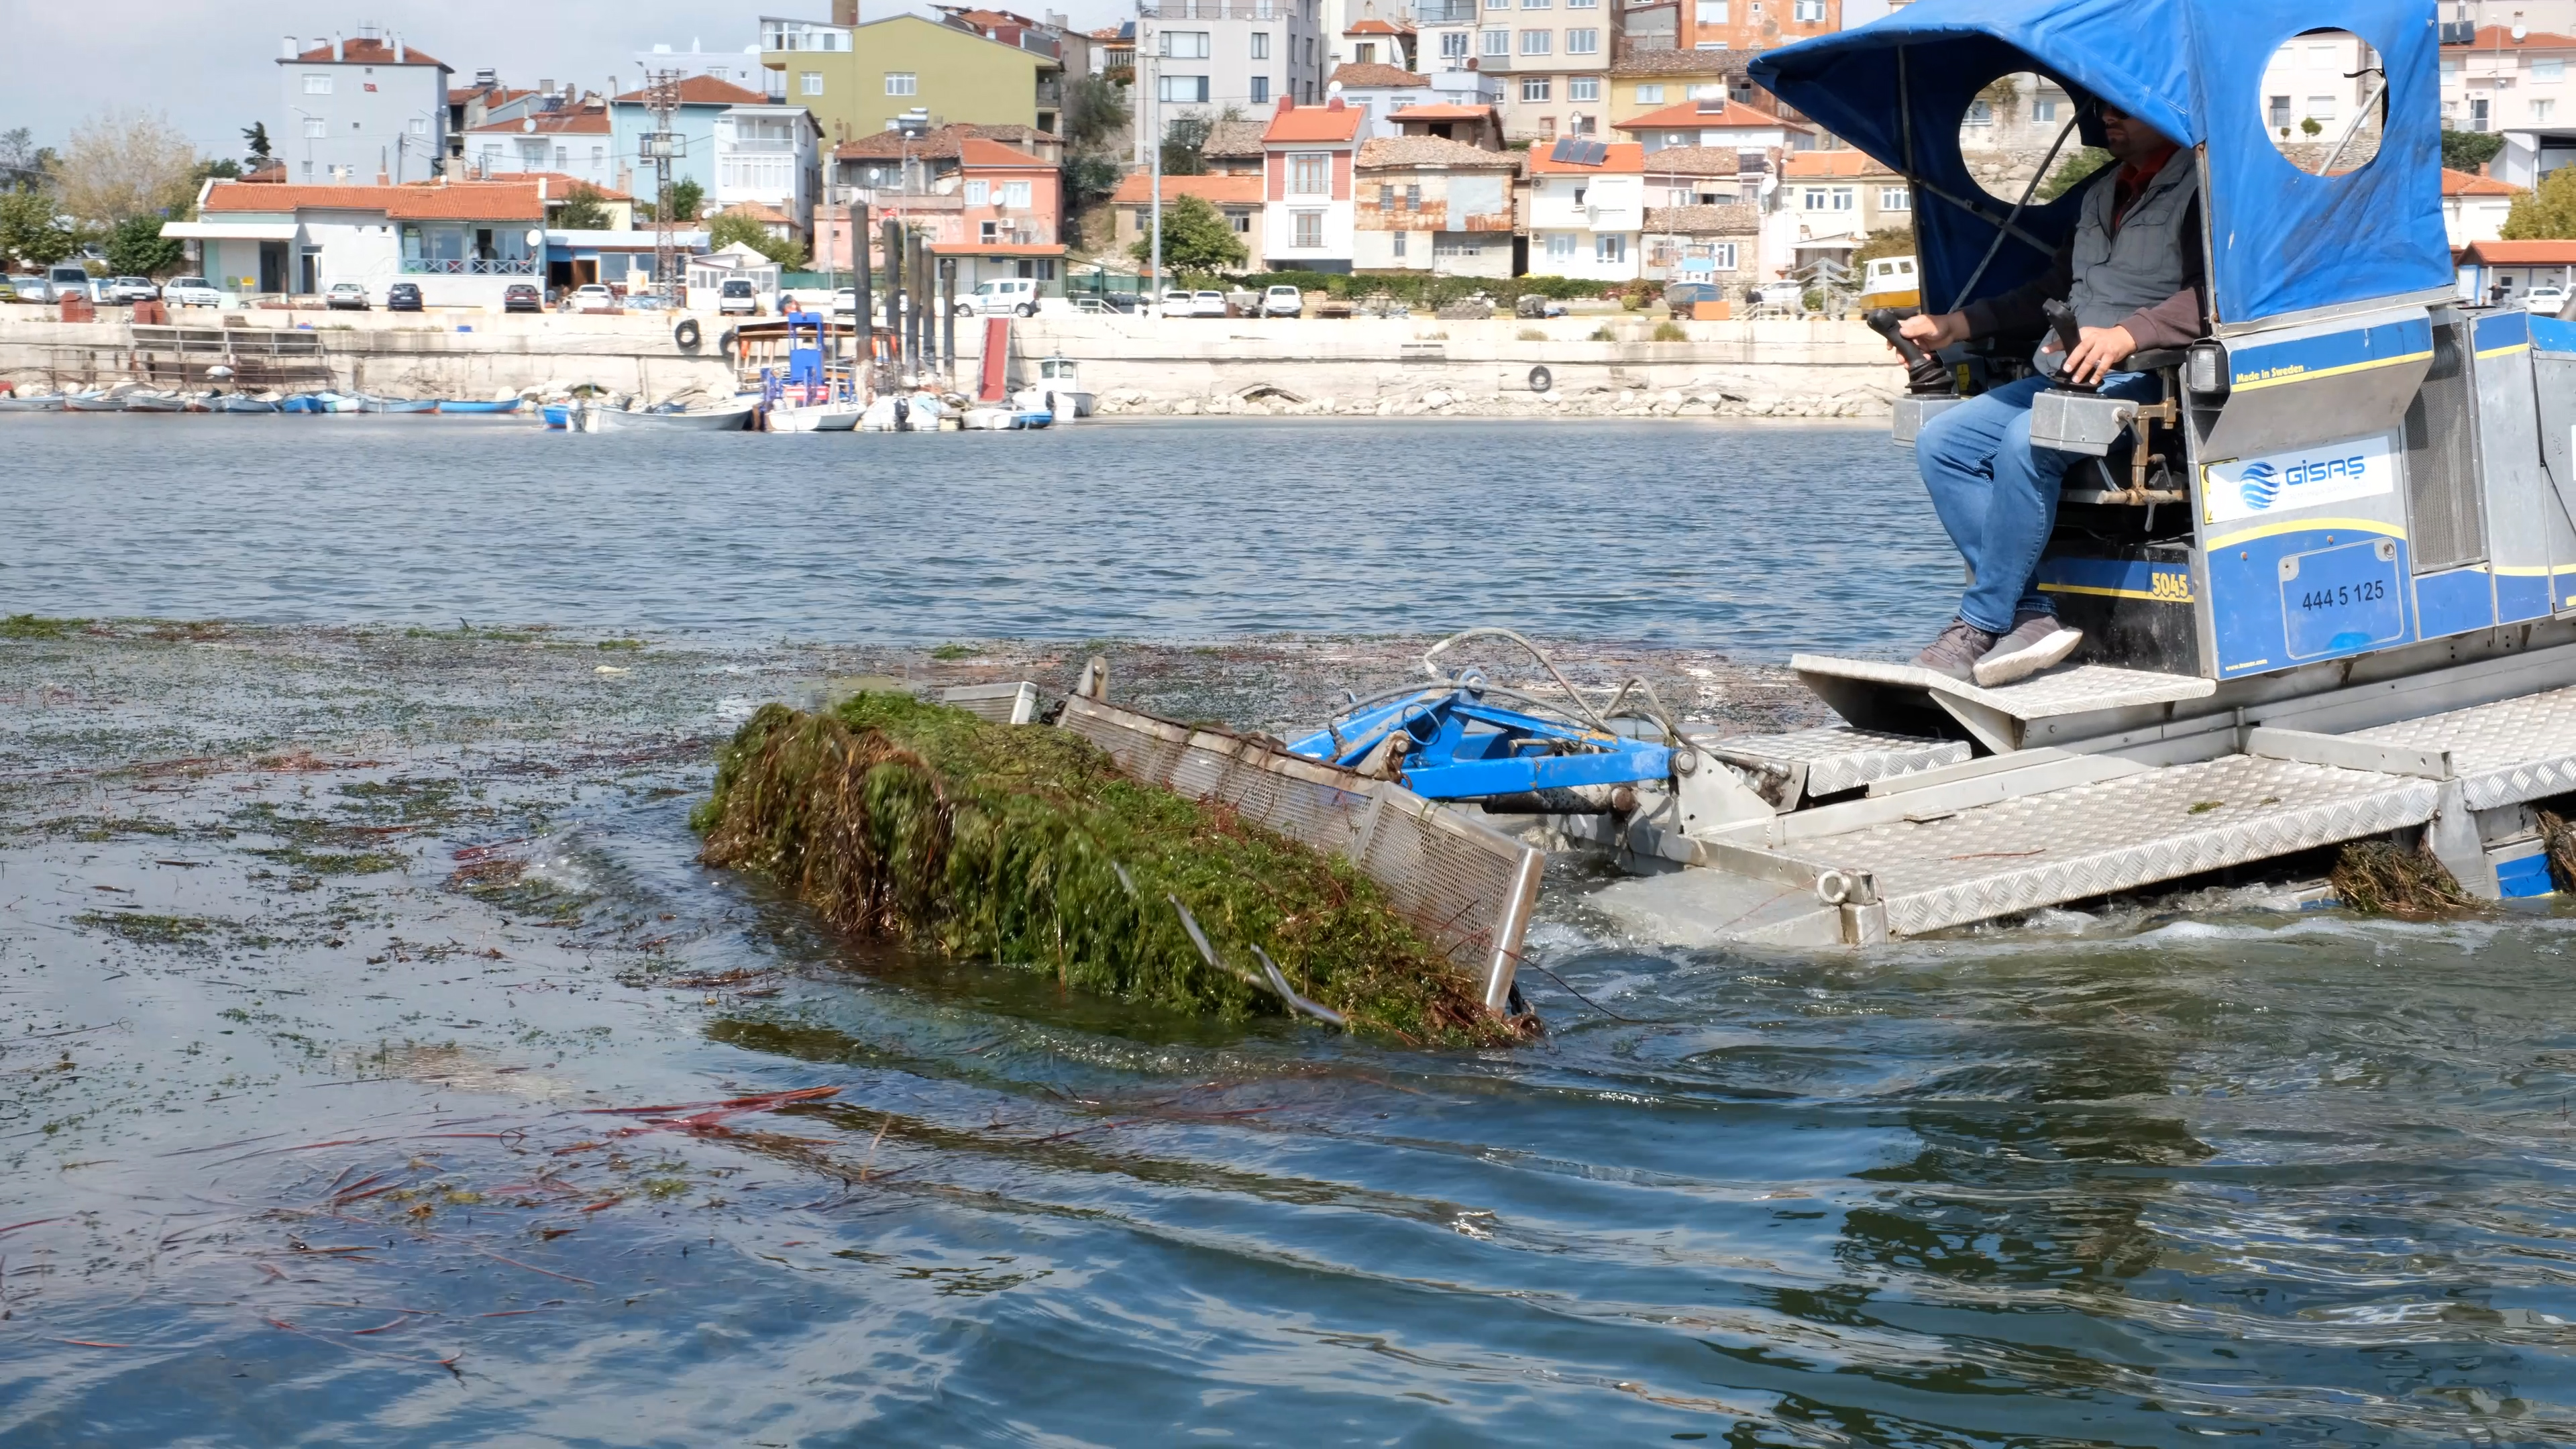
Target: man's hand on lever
[1932, 333]
[2101, 349]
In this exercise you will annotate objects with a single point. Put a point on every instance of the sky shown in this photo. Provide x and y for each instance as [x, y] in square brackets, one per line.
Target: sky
[211, 70]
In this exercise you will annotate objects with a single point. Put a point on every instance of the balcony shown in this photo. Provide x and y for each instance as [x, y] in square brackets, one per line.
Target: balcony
[469, 267]
[795, 35]
[1214, 10]
[1445, 12]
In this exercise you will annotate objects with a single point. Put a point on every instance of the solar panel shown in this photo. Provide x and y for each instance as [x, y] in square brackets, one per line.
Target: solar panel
[1578, 151]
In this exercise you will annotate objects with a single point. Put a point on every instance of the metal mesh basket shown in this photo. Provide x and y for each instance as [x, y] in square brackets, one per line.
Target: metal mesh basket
[1467, 887]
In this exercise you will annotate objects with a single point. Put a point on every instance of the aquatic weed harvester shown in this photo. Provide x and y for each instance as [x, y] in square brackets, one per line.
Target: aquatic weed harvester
[2327, 580]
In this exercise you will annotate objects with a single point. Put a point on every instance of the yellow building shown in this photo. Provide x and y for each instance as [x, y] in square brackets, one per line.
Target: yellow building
[857, 79]
[1645, 81]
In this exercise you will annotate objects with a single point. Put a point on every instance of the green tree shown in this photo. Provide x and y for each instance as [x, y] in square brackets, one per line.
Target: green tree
[136, 248]
[255, 139]
[1089, 178]
[1196, 238]
[1887, 241]
[582, 209]
[1183, 140]
[126, 163]
[31, 227]
[22, 161]
[1095, 107]
[2071, 173]
[2547, 211]
[2469, 150]
[729, 227]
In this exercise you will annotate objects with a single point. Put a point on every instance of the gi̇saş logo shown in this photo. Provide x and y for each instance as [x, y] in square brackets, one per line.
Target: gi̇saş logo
[2263, 485]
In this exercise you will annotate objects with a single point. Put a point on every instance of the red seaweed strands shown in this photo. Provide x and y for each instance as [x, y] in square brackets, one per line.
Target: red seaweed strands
[533, 1268]
[32, 1223]
[709, 1117]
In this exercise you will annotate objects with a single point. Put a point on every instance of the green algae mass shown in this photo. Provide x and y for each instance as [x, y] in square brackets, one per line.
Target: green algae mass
[894, 817]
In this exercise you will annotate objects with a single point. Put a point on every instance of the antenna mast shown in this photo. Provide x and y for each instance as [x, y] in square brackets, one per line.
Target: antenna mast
[662, 98]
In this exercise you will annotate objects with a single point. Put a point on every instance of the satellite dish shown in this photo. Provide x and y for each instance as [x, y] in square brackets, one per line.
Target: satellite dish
[528, 124]
[1333, 88]
[536, 236]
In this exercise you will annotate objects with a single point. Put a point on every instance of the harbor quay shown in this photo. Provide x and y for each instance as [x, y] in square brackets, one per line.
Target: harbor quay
[1588, 366]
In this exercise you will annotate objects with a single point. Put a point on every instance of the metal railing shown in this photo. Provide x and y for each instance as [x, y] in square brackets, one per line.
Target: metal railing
[469, 267]
[1213, 10]
[1446, 12]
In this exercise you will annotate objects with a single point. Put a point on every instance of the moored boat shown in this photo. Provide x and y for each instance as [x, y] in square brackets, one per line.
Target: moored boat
[242, 403]
[155, 402]
[92, 402]
[397, 405]
[714, 420]
[828, 417]
[51, 402]
[458, 405]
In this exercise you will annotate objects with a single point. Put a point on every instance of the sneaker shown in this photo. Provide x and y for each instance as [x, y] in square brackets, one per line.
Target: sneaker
[2036, 642]
[1957, 651]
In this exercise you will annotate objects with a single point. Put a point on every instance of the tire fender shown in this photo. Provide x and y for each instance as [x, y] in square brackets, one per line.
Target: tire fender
[686, 334]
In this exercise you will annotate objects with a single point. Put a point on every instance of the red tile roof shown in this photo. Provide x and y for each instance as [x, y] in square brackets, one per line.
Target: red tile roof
[368, 52]
[573, 121]
[1441, 111]
[456, 201]
[1138, 189]
[1688, 114]
[1814, 165]
[705, 90]
[2498, 37]
[2555, 253]
[558, 185]
[1371, 74]
[975, 151]
[1331, 121]
[1374, 26]
[759, 211]
[997, 249]
[2462, 183]
[1625, 156]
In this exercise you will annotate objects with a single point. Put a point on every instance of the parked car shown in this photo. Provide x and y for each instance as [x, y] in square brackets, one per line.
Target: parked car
[346, 297]
[737, 297]
[1207, 304]
[2544, 301]
[129, 290]
[403, 297]
[522, 297]
[1780, 294]
[1680, 297]
[192, 292]
[1017, 296]
[1282, 301]
[69, 281]
[28, 287]
[1175, 302]
[846, 301]
[594, 297]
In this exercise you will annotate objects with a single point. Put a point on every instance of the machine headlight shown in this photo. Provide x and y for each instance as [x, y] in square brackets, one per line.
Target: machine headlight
[2206, 369]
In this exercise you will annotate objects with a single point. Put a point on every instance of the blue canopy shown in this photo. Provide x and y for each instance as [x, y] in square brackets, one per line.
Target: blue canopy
[2282, 240]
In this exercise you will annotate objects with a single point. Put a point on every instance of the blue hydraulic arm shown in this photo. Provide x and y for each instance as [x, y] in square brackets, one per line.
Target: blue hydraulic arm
[1450, 743]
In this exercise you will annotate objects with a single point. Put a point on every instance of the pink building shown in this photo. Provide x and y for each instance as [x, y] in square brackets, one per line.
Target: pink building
[994, 208]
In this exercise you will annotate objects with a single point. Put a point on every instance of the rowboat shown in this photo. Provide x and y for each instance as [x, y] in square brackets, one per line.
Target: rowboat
[717, 420]
[397, 405]
[92, 402]
[453, 405]
[242, 403]
[155, 402]
[51, 402]
[829, 417]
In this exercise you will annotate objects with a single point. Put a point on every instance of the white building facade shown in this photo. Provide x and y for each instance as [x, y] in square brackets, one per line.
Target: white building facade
[1586, 221]
[1200, 57]
[359, 110]
[768, 155]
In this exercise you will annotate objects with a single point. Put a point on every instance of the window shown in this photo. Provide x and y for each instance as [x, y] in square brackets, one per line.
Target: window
[1560, 246]
[979, 193]
[1534, 88]
[1723, 254]
[419, 125]
[1241, 221]
[1706, 91]
[1895, 198]
[1453, 45]
[2540, 110]
[1980, 113]
[1612, 249]
[1582, 4]
[1584, 41]
[2548, 70]
[1400, 239]
[1385, 196]
[317, 83]
[1188, 90]
[1813, 199]
[2450, 65]
[1709, 12]
[2043, 109]
[990, 231]
[809, 82]
[1457, 244]
[2321, 108]
[1498, 43]
[1498, 4]
[1365, 53]
[1016, 194]
[1185, 45]
[1650, 95]
[1310, 173]
[598, 157]
[563, 157]
[1261, 45]
[2279, 111]
[1413, 198]
[1144, 219]
[1810, 12]
[1261, 90]
[1845, 197]
[2477, 115]
[1535, 4]
[1581, 87]
[315, 128]
[903, 83]
[1538, 42]
[1308, 228]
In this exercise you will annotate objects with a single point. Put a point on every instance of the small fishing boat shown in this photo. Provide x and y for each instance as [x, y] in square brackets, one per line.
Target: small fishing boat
[454, 405]
[559, 416]
[1011, 417]
[901, 413]
[1058, 375]
[155, 402]
[51, 402]
[397, 405]
[825, 417]
[243, 403]
[714, 420]
[92, 402]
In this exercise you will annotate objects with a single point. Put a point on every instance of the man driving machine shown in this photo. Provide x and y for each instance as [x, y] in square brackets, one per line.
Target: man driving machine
[2132, 274]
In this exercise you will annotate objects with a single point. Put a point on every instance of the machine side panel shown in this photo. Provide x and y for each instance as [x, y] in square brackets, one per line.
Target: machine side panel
[2523, 512]
[2553, 368]
[2454, 602]
[2307, 385]
[2445, 507]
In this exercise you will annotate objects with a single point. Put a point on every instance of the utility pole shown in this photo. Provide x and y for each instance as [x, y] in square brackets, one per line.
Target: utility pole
[662, 98]
[1152, 96]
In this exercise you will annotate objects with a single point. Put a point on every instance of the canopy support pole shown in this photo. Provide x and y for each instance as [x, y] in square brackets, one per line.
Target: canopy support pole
[1960, 298]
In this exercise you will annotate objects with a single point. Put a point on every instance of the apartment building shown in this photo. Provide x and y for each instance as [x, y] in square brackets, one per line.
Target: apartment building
[733, 67]
[1587, 209]
[1644, 80]
[1720, 123]
[2474, 207]
[360, 111]
[573, 138]
[1425, 204]
[2513, 79]
[1377, 92]
[995, 208]
[1553, 57]
[1201, 58]
[1754, 24]
[1307, 204]
[857, 79]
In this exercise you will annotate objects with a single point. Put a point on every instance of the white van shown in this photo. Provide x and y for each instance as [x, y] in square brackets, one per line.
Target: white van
[1017, 296]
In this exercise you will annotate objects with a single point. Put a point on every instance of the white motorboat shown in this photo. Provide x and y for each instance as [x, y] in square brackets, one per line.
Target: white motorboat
[51, 402]
[828, 417]
[93, 402]
[712, 420]
[155, 402]
[1057, 376]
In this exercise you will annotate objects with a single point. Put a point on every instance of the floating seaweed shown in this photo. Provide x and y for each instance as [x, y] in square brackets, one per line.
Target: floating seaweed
[1026, 846]
[2380, 879]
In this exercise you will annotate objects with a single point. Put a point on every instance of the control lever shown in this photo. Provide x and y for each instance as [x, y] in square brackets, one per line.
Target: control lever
[1924, 374]
[2061, 322]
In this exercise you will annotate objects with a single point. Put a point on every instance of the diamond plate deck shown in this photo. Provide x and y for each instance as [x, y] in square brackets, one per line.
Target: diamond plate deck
[2503, 753]
[2091, 840]
[1836, 757]
[2080, 689]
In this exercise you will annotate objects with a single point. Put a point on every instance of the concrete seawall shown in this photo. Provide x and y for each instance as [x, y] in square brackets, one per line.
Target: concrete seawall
[1584, 366]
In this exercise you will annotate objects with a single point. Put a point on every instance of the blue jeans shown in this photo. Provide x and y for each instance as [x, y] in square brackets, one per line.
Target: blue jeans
[1997, 495]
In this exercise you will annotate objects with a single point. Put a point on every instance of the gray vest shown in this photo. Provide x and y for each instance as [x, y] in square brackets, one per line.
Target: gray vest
[2143, 263]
